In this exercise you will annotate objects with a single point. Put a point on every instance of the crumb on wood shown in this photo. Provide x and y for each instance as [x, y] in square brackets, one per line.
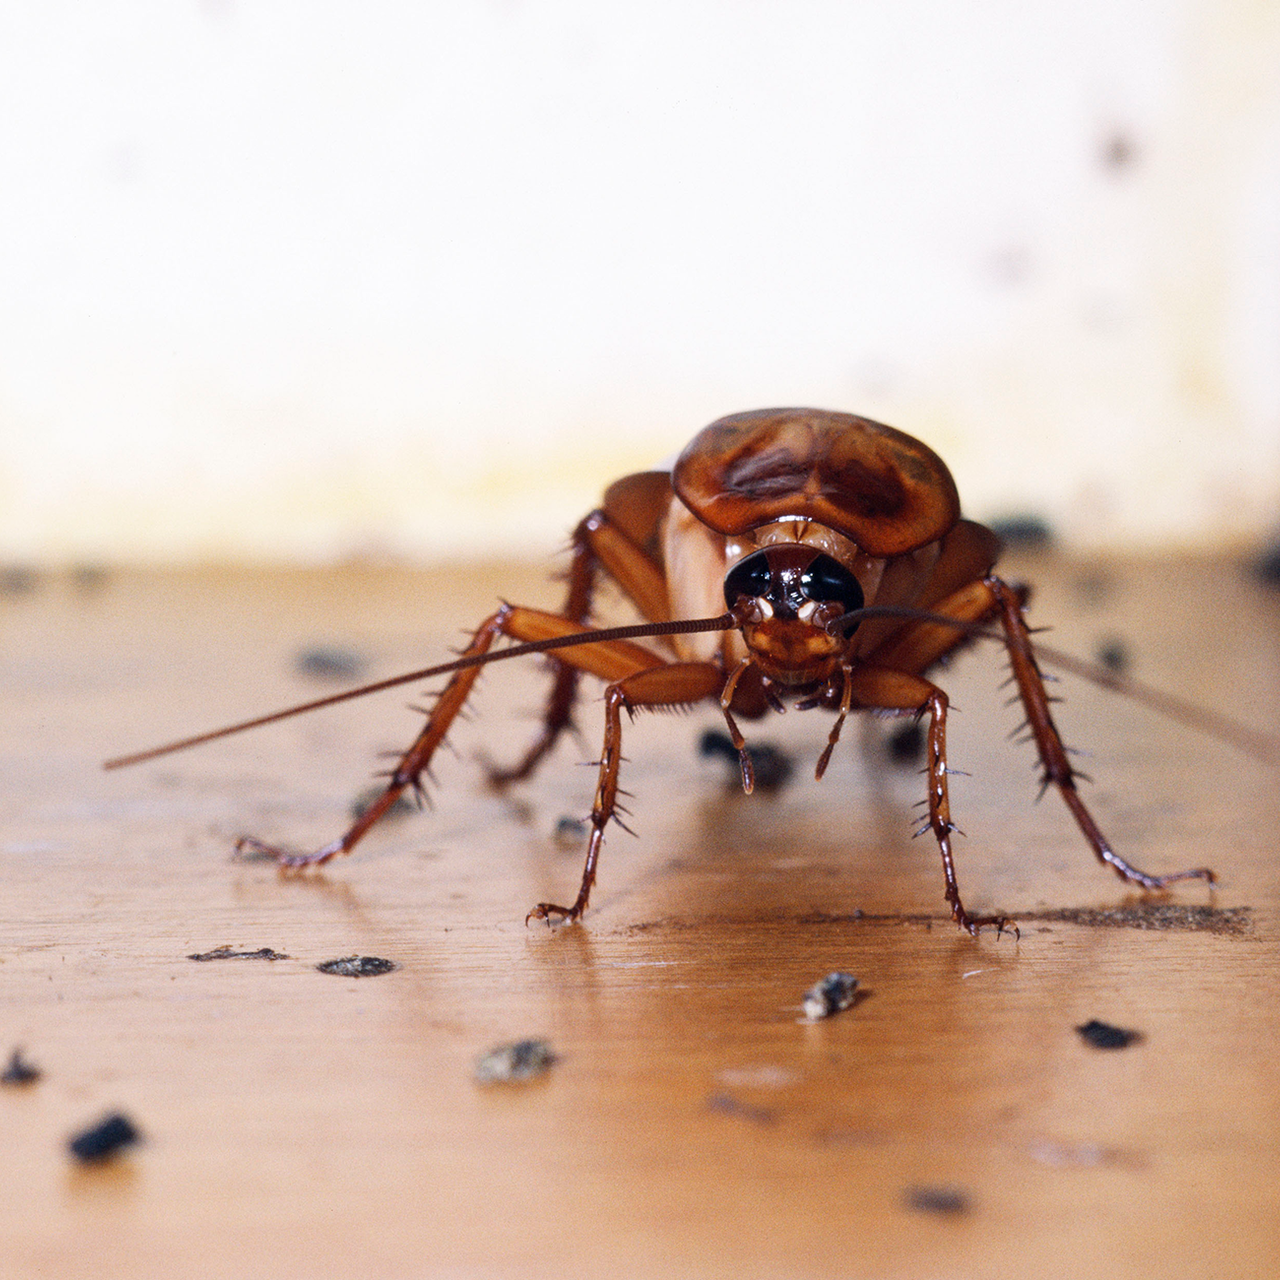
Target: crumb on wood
[514, 1062]
[227, 953]
[357, 966]
[832, 995]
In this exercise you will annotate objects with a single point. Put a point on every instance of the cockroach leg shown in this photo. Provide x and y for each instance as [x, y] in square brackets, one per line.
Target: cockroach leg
[1053, 755]
[898, 690]
[940, 820]
[558, 715]
[735, 734]
[412, 764]
[846, 701]
[609, 660]
[671, 684]
[596, 543]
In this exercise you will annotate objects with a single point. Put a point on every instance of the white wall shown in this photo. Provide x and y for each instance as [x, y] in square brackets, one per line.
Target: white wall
[418, 277]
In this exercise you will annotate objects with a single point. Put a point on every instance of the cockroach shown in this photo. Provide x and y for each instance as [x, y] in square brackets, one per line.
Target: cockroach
[846, 574]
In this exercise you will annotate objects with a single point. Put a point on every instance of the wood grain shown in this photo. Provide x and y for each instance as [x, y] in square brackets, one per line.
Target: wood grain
[952, 1123]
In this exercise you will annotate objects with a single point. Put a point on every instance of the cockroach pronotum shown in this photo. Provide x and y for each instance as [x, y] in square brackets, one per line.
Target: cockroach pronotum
[846, 574]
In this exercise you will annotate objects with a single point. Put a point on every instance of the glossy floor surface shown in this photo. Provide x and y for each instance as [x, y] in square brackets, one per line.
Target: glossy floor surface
[952, 1123]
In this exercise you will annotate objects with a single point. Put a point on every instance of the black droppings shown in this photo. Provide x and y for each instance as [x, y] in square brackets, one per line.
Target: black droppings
[226, 953]
[1118, 150]
[905, 745]
[1102, 1035]
[943, 1200]
[19, 1071]
[1267, 566]
[1023, 531]
[830, 996]
[328, 662]
[727, 1105]
[357, 966]
[18, 579]
[510, 1063]
[1113, 653]
[771, 765]
[105, 1139]
[570, 832]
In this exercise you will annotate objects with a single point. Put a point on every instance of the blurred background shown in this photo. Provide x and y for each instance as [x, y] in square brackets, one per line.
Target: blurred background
[414, 280]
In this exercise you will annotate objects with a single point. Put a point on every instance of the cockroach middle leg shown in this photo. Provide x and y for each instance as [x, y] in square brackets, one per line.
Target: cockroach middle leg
[901, 691]
[1053, 755]
[672, 684]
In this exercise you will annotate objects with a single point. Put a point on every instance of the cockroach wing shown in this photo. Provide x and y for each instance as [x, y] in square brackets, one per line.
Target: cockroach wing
[880, 487]
[636, 504]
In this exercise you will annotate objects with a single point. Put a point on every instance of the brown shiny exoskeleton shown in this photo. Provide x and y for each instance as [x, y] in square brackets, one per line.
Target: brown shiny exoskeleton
[837, 548]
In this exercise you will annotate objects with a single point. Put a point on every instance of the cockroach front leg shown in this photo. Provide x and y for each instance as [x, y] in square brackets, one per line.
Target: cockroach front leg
[411, 766]
[1053, 755]
[609, 660]
[675, 684]
[897, 690]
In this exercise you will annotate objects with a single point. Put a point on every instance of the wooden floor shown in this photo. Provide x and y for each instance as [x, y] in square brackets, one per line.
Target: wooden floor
[299, 1124]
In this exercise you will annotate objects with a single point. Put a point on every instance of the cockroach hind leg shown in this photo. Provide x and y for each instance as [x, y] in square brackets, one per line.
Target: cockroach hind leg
[555, 915]
[973, 925]
[286, 859]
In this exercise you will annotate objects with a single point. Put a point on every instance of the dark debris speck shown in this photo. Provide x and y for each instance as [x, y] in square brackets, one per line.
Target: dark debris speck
[514, 1062]
[771, 765]
[832, 995]
[905, 745]
[727, 1105]
[1023, 531]
[226, 953]
[18, 579]
[106, 1139]
[1267, 566]
[1113, 653]
[949, 1201]
[1102, 1035]
[329, 662]
[357, 966]
[19, 1071]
